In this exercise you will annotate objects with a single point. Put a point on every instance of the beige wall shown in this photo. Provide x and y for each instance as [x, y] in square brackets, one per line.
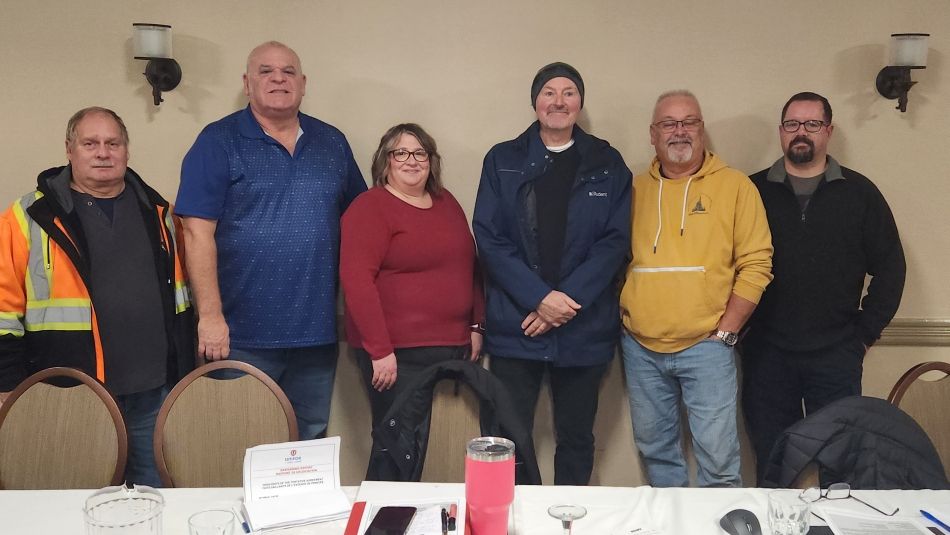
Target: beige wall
[463, 70]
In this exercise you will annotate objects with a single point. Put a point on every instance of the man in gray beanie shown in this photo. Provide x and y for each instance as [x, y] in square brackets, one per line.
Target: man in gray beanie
[552, 222]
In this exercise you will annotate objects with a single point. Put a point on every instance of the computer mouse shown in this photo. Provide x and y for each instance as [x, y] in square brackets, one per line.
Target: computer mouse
[741, 522]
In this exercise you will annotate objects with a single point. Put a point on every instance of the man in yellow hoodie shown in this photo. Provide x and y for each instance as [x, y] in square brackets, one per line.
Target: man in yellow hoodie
[702, 256]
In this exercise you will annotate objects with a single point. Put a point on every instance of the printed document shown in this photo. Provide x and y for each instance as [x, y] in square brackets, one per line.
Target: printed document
[844, 523]
[293, 483]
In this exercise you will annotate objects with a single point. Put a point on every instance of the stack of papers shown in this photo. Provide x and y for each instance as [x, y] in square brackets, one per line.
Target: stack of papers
[848, 523]
[293, 483]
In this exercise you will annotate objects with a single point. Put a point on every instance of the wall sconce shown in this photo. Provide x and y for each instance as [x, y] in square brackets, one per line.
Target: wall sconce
[908, 51]
[154, 43]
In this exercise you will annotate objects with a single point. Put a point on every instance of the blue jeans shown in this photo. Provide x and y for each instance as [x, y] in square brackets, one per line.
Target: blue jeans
[704, 377]
[305, 374]
[140, 410]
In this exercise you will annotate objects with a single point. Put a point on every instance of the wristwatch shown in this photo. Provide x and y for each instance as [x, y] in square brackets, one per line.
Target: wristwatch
[477, 328]
[727, 337]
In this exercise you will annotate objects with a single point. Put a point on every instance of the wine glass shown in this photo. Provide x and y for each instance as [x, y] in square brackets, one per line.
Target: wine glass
[567, 514]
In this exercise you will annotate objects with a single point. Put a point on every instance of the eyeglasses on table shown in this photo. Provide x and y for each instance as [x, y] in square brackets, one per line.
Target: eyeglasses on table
[838, 491]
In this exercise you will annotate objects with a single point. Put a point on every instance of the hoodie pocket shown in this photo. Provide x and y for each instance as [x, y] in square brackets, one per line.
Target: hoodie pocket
[670, 302]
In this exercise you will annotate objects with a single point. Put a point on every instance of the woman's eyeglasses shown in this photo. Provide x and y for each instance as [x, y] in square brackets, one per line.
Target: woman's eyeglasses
[401, 155]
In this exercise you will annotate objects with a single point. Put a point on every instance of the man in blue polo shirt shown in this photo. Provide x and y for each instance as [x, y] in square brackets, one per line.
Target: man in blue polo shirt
[261, 195]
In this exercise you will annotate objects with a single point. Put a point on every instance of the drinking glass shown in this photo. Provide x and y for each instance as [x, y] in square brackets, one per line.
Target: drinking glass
[121, 510]
[489, 484]
[211, 522]
[567, 514]
[789, 514]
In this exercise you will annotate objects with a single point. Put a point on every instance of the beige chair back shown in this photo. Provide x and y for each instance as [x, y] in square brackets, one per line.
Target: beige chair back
[206, 424]
[924, 393]
[455, 421]
[61, 437]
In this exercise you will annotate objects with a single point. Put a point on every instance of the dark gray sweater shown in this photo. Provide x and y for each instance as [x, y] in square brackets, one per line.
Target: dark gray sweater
[822, 255]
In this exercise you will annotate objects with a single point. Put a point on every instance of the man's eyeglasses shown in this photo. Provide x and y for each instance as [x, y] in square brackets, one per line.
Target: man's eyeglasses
[670, 125]
[791, 126]
[401, 155]
[839, 491]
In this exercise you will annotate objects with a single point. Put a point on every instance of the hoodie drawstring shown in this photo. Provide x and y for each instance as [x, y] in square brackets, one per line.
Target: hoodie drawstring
[659, 216]
[659, 212]
[683, 215]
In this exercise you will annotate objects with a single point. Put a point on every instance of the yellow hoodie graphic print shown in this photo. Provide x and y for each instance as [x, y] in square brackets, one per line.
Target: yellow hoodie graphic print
[696, 240]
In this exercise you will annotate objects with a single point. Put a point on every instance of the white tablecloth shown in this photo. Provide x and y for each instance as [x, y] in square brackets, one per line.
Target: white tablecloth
[615, 510]
[59, 512]
[611, 510]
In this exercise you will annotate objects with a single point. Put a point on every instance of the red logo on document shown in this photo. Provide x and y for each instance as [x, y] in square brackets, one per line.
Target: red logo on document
[293, 453]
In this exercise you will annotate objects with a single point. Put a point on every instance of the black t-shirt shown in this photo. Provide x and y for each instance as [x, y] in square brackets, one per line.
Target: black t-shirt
[552, 192]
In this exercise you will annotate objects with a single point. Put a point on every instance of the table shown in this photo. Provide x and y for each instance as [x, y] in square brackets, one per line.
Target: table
[611, 510]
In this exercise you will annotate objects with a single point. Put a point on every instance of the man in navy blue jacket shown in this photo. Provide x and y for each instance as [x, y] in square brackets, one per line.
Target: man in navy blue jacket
[552, 223]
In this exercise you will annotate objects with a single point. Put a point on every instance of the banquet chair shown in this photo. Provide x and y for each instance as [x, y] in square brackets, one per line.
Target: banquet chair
[61, 429]
[923, 392]
[208, 421]
[807, 478]
[454, 422]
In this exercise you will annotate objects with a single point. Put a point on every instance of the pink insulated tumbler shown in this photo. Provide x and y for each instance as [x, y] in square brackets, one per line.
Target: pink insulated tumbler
[489, 484]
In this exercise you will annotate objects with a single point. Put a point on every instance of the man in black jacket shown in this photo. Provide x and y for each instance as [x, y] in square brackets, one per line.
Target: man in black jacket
[831, 227]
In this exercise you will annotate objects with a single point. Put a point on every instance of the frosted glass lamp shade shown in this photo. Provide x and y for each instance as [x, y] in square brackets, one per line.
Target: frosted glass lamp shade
[909, 50]
[150, 41]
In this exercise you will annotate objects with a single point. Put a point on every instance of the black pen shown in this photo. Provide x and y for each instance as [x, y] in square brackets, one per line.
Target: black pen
[445, 522]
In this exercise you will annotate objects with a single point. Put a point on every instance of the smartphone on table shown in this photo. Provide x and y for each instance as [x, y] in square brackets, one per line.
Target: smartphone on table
[391, 520]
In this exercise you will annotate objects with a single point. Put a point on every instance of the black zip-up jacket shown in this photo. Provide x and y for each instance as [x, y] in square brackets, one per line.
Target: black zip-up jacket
[865, 442]
[822, 255]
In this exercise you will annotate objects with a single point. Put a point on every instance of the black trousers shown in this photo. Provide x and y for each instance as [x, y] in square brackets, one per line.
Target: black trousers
[575, 392]
[776, 382]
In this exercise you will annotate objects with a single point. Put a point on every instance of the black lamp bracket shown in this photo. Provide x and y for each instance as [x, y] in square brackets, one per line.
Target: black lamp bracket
[894, 82]
[163, 74]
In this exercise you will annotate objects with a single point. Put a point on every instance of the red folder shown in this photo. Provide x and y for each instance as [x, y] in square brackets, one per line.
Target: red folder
[356, 514]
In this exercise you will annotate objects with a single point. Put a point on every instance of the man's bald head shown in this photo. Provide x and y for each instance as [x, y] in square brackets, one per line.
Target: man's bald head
[263, 47]
[274, 82]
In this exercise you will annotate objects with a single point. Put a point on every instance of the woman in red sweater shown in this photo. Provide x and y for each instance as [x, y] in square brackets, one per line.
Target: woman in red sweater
[408, 268]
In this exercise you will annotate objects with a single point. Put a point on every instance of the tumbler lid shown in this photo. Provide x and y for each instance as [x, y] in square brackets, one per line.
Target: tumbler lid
[490, 449]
